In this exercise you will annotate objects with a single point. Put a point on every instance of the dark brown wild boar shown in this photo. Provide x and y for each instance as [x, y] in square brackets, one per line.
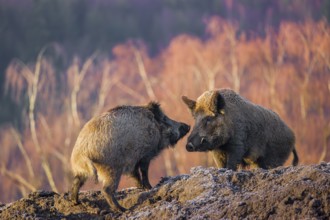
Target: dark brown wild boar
[122, 141]
[239, 132]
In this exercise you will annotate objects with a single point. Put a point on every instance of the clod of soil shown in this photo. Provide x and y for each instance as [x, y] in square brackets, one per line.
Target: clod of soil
[301, 192]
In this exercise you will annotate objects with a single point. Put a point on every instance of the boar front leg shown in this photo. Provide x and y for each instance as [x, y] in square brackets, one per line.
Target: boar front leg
[144, 167]
[234, 157]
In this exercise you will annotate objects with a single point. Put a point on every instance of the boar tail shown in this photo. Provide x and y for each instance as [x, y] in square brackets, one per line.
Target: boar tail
[295, 157]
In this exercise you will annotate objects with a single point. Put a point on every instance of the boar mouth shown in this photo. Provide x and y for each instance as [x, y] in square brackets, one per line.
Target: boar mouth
[173, 141]
[203, 146]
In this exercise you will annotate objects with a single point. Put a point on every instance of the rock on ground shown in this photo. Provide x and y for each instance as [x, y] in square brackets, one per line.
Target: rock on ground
[301, 192]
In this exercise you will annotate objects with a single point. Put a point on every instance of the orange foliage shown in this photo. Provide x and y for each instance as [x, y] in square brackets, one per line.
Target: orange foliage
[288, 71]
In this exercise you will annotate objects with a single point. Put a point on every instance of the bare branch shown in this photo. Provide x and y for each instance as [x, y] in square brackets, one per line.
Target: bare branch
[211, 72]
[16, 178]
[46, 127]
[23, 151]
[78, 78]
[168, 163]
[106, 85]
[230, 32]
[129, 91]
[32, 101]
[61, 157]
[144, 76]
[326, 139]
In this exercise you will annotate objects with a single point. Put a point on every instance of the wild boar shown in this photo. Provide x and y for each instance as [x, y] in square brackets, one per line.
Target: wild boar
[122, 141]
[239, 132]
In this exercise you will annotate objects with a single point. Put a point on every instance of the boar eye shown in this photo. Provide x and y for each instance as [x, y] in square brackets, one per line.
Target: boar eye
[208, 120]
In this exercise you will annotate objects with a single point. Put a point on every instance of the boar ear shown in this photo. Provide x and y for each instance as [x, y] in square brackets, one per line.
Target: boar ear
[190, 103]
[154, 107]
[218, 103]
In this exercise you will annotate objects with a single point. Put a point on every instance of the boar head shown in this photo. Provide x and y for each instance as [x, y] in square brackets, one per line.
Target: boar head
[172, 131]
[211, 129]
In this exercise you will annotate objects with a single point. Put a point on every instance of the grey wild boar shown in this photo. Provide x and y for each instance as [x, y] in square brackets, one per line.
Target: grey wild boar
[122, 141]
[239, 132]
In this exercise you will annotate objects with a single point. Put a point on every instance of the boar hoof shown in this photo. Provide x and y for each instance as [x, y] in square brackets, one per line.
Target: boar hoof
[74, 202]
[146, 186]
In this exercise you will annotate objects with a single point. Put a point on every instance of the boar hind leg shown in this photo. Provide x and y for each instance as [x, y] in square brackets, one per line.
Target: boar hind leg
[78, 182]
[219, 158]
[110, 185]
[136, 175]
[144, 167]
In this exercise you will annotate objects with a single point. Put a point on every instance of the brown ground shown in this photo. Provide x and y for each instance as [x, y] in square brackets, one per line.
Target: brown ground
[301, 192]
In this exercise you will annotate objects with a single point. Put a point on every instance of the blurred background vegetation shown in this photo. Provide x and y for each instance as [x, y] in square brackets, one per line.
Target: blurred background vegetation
[82, 27]
[63, 61]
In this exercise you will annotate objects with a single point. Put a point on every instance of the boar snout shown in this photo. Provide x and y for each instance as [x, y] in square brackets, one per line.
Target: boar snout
[190, 147]
[178, 132]
[198, 143]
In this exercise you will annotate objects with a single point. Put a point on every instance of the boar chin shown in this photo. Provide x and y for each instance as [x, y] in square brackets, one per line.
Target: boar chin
[205, 147]
[173, 139]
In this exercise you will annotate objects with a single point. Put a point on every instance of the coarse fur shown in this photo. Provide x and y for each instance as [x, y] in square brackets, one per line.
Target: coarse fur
[239, 132]
[122, 141]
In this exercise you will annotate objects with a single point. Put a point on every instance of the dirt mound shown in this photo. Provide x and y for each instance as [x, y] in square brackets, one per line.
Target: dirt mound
[206, 193]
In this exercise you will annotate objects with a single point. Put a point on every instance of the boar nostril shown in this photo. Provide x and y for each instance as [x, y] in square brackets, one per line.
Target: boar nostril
[190, 147]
